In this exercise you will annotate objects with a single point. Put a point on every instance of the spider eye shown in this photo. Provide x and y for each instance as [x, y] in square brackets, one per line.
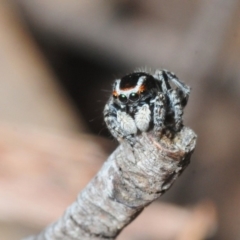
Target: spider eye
[134, 97]
[123, 98]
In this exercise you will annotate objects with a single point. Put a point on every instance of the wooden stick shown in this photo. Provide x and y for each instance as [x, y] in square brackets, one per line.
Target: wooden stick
[128, 181]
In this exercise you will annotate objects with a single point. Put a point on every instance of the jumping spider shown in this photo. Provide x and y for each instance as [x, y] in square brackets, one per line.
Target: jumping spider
[141, 101]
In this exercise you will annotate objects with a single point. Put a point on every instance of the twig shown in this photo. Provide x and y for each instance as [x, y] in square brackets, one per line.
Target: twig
[129, 180]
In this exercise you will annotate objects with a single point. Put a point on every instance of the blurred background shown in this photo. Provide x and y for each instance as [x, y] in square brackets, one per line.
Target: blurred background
[58, 60]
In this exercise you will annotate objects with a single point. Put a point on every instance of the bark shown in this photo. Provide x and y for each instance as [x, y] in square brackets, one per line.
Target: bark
[128, 181]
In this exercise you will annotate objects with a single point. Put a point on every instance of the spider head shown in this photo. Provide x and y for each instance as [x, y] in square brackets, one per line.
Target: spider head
[130, 89]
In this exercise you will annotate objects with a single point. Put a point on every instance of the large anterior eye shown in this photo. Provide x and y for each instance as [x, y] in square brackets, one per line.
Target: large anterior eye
[123, 98]
[134, 97]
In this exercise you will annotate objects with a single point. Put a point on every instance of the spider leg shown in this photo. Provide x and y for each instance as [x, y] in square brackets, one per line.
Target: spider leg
[119, 123]
[177, 97]
[176, 106]
[182, 88]
[163, 79]
[159, 114]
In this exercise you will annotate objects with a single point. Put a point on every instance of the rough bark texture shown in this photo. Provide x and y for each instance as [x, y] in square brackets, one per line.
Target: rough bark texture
[129, 180]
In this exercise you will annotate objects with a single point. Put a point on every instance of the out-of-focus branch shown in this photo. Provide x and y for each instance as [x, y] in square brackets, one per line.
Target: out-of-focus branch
[29, 93]
[129, 180]
[40, 167]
